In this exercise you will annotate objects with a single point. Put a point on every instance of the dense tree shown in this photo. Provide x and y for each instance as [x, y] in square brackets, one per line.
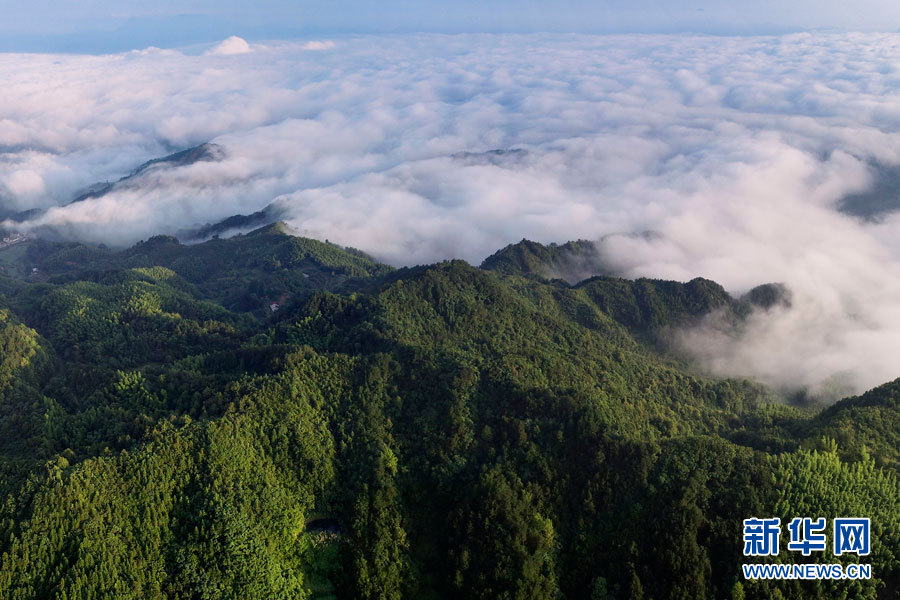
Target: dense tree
[440, 431]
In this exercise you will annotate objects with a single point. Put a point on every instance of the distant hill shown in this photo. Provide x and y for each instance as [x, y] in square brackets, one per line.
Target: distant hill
[634, 302]
[498, 157]
[881, 198]
[245, 273]
[572, 261]
[203, 153]
[235, 224]
[648, 304]
[207, 152]
[19, 216]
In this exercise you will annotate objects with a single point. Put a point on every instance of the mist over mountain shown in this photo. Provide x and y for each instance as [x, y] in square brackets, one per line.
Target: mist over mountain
[140, 177]
[393, 300]
[234, 224]
[734, 159]
[878, 200]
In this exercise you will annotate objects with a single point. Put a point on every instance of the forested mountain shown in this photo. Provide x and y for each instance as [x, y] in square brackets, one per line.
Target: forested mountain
[268, 416]
[527, 258]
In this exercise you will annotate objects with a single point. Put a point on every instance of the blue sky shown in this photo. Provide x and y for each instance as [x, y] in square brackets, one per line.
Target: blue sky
[101, 25]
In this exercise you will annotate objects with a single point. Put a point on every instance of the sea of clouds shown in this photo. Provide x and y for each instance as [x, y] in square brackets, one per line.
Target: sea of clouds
[733, 152]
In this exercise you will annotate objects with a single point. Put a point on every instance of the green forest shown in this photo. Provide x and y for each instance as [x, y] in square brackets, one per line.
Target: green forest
[274, 417]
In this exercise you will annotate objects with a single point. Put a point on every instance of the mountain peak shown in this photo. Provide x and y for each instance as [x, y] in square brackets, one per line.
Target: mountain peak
[572, 261]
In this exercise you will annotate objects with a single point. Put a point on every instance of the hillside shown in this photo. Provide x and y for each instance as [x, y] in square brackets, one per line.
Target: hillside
[572, 261]
[245, 273]
[463, 432]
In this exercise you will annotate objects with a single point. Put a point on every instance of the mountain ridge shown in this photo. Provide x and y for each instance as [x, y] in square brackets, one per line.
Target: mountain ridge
[465, 431]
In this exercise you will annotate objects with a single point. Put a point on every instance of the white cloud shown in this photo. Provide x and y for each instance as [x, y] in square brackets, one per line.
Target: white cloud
[735, 151]
[318, 45]
[24, 183]
[232, 45]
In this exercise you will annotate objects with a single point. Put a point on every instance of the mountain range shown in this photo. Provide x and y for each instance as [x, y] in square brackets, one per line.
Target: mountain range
[271, 416]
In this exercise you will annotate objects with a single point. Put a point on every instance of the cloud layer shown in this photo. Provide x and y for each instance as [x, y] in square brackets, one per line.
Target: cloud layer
[733, 151]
